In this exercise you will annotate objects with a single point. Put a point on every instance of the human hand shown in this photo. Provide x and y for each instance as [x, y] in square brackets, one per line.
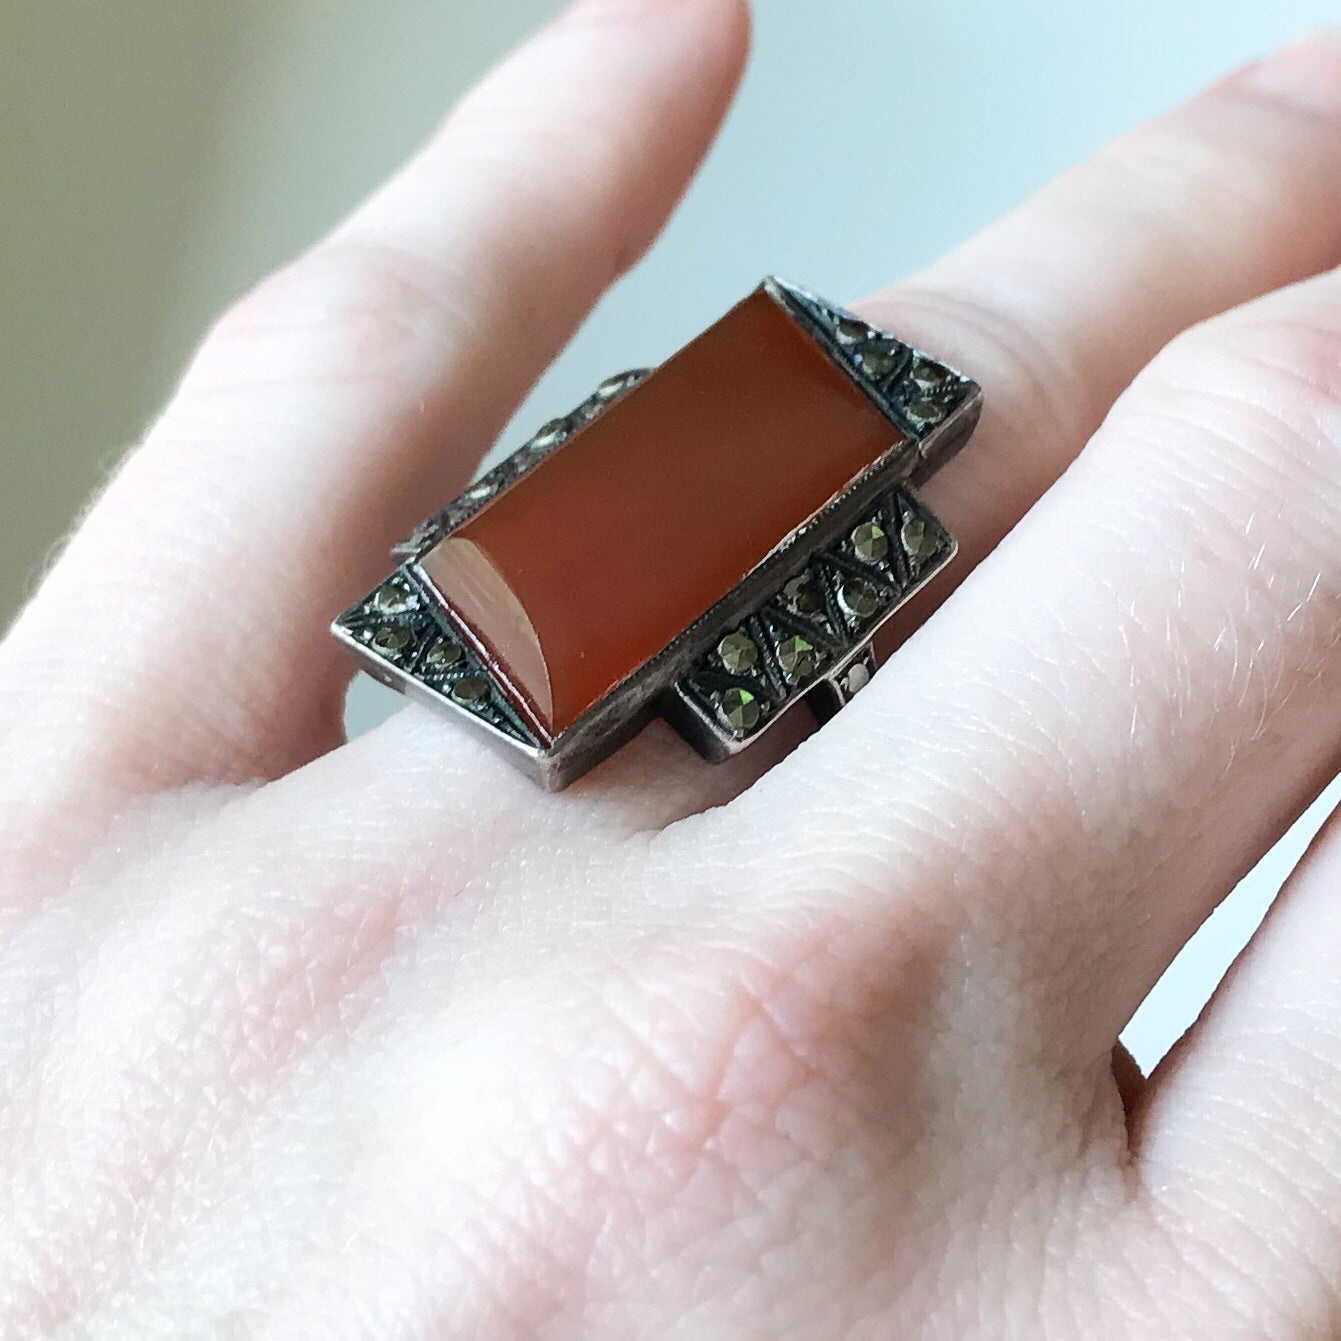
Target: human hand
[302, 1038]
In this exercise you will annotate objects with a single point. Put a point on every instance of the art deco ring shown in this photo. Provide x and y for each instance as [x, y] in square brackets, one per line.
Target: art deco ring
[712, 541]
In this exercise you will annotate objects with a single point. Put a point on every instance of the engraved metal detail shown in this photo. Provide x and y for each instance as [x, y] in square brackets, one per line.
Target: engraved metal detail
[414, 648]
[815, 630]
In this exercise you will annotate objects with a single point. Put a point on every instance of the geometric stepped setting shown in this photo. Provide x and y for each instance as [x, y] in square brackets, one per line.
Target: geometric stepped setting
[818, 619]
[916, 392]
[400, 627]
[809, 637]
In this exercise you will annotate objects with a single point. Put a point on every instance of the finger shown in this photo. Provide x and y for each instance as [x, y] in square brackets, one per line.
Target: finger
[349, 395]
[1238, 1131]
[1056, 309]
[1104, 730]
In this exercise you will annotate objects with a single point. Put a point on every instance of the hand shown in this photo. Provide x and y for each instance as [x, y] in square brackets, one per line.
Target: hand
[309, 1039]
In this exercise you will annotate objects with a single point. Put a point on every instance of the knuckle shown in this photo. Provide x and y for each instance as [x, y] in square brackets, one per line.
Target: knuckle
[738, 1067]
[1278, 370]
[709, 1093]
[1248, 409]
[1230, 445]
[762, 1089]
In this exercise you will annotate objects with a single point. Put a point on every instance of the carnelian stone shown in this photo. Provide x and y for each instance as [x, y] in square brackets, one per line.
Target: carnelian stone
[589, 565]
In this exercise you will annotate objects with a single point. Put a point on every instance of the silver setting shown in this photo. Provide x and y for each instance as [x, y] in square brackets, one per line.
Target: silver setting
[808, 610]
[815, 639]
[511, 468]
[419, 652]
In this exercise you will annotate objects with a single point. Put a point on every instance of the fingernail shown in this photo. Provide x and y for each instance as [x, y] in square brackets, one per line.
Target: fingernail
[1306, 74]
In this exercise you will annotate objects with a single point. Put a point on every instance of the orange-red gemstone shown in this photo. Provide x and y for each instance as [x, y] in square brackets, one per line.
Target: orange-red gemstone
[588, 566]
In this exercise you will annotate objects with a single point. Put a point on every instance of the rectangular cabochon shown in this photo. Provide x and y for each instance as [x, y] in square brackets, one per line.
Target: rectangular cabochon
[592, 563]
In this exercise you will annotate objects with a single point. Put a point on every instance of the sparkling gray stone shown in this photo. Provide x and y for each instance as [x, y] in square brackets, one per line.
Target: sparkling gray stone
[861, 599]
[924, 412]
[918, 538]
[927, 374]
[442, 656]
[741, 709]
[856, 678]
[393, 599]
[470, 690]
[738, 652]
[797, 658]
[803, 596]
[878, 360]
[550, 433]
[392, 639]
[870, 543]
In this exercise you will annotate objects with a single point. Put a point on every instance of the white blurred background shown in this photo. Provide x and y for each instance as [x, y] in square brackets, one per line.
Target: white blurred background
[157, 156]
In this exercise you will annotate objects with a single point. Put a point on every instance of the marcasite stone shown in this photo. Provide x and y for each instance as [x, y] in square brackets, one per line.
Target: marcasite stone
[801, 595]
[870, 543]
[392, 638]
[394, 599]
[928, 375]
[918, 538]
[923, 412]
[861, 599]
[878, 361]
[738, 652]
[856, 678]
[797, 658]
[741, 709]
[442, 656]
[550, 433]
[470, 689]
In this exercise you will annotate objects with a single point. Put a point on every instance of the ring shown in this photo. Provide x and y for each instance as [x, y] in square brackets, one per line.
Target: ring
[712, 541]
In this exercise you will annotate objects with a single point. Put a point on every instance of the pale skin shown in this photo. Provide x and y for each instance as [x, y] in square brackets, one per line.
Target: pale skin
[301, 1038]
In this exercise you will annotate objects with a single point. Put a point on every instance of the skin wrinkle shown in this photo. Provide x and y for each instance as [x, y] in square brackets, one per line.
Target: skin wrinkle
[1230, 1117]
[1217, 1267]
[618, 1017]
[1317, 652]
[354, 315]
[147, 823]
[1038, 374]
[1158, 163]
[273, 1063]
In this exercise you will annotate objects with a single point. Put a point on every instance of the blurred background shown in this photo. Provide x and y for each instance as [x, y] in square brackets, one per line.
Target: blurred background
[158, 156]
